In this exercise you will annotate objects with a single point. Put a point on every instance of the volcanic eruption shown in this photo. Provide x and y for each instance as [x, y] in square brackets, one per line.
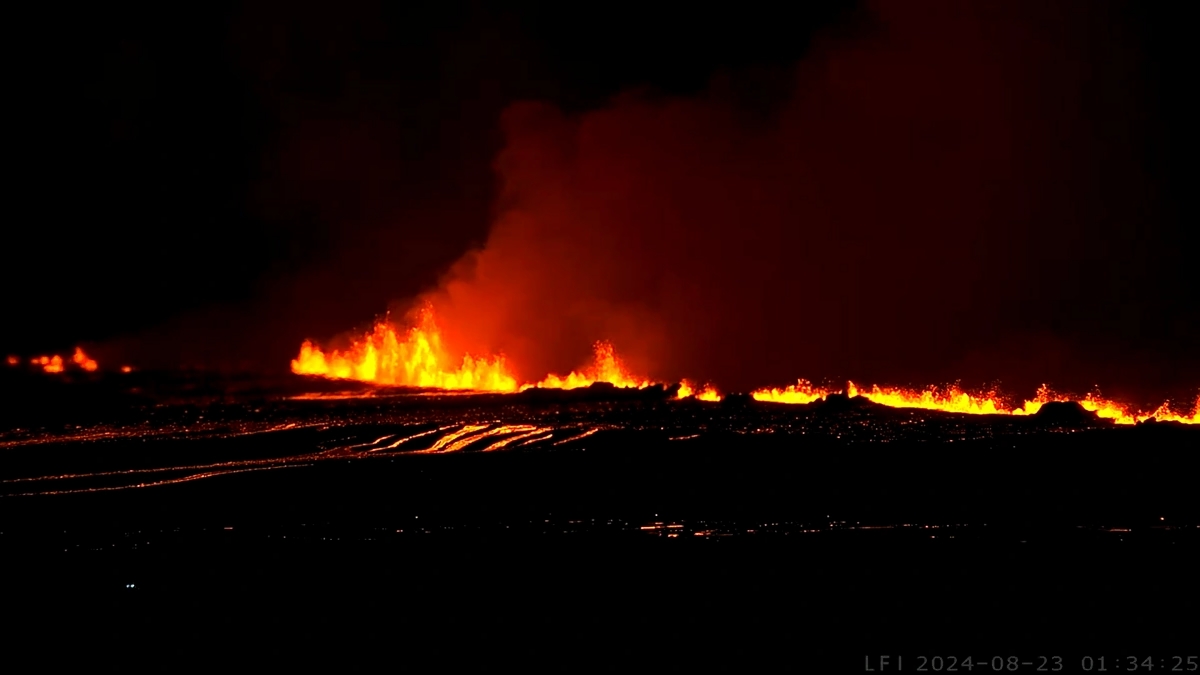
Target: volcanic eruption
[416, 358]
[901, 205]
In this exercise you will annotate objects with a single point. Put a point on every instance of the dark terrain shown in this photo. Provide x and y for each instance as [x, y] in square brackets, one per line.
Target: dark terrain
[612, 529]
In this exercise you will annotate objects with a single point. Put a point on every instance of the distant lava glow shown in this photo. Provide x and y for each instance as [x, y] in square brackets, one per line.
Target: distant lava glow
[955, 400]
[50, 364]
[57, 364]
[417, 358]
[83, 361]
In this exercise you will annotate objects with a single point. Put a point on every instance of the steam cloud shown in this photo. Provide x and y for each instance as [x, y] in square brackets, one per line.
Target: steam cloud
[922, 202]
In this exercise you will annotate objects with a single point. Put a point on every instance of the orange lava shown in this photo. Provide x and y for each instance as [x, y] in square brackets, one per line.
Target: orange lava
[418, 358]
[83, 361]
[801, 392]
[50, 364]
[1164, 414]
[955, 400]
[705, 393]
[951, 399]
[1106, 409]
[56, 363]
[607, 367]
[415, 358]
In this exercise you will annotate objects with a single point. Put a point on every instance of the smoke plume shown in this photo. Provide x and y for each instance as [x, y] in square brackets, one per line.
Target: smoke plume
[930, 194]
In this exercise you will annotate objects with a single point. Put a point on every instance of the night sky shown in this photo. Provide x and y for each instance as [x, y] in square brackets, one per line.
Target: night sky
[902, 192]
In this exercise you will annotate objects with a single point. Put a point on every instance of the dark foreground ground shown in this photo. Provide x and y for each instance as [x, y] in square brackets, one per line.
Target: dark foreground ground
[666, 535]
[559, 603]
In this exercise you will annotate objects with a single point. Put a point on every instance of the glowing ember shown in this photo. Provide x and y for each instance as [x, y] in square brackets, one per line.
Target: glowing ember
[14, 360]
[706, 393]
[83, 361]
[416, 358]
[50, 364]
[126, 369]
[56, 364]
[607, 367]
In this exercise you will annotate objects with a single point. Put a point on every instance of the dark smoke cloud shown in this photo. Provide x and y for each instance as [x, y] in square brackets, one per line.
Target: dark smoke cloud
[944, 190]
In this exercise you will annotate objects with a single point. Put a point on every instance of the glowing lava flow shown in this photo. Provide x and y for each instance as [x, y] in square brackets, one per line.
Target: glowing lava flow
[706, 393]
[1111, 410]
[951, 399]
[801, 392]
[417, 359]
[1164, 414]
[607, 367]
[955, 400]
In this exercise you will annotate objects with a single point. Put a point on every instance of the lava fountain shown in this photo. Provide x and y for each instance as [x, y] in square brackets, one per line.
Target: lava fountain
[607, 367]
[416, 358]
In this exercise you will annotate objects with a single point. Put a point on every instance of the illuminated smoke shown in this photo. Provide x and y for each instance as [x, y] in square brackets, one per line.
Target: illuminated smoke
[920, 204]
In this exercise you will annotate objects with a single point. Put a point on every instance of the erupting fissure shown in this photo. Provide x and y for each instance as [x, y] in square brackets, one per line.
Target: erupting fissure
[607, 367]
[954, 399]
[705, 393]
[416, 358]
[419, 358]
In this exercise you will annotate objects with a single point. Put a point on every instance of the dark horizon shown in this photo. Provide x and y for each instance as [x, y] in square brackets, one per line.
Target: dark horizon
[895, 193]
